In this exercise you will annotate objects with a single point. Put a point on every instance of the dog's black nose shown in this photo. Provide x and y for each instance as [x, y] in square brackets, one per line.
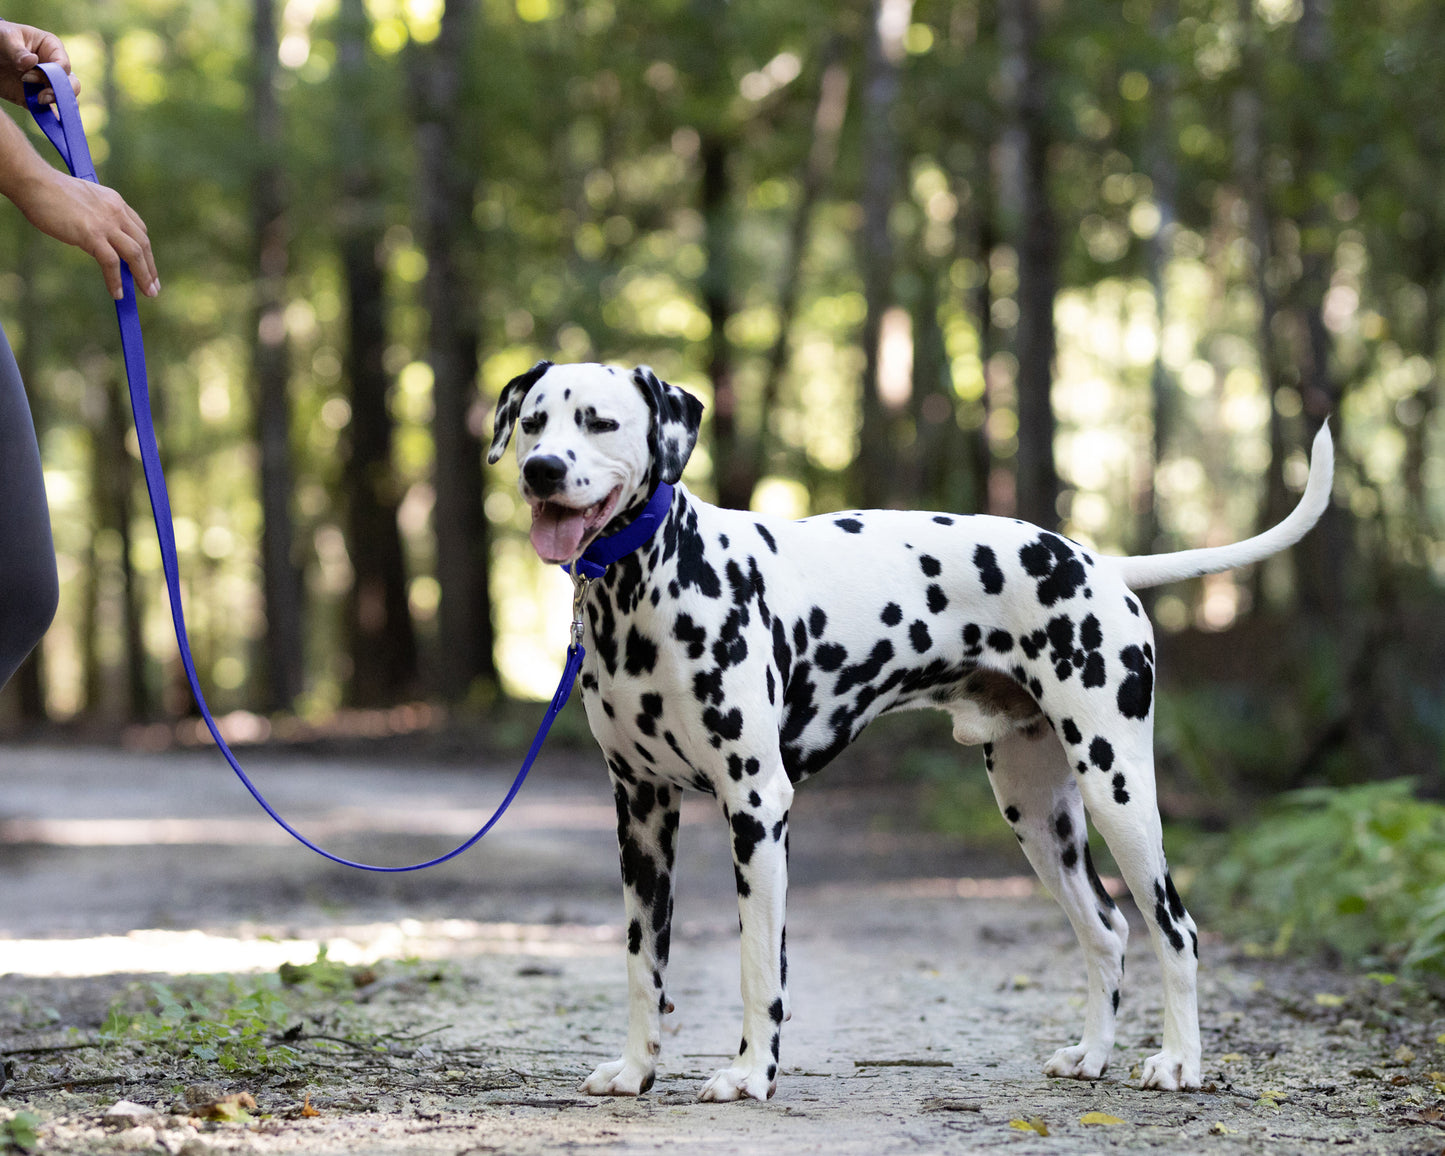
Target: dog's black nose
[545, 475]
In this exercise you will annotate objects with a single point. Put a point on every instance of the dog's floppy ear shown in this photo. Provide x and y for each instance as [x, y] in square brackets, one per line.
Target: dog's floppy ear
[676, 417]
[509, 405]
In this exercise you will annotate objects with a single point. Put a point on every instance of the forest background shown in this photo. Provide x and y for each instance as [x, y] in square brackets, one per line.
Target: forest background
[1102, 266]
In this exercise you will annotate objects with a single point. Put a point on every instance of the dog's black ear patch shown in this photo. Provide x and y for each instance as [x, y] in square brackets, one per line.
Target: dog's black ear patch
[509, 405]
[676, 419]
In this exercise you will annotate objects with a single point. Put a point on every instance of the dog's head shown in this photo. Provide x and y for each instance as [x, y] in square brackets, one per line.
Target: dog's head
[593, 442]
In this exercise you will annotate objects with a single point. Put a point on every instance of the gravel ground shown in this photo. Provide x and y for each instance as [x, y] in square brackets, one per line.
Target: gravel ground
[929, 982]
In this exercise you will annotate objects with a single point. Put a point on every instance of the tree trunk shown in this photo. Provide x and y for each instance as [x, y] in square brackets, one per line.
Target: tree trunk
[1325, 558]
[874, 468]
[270, 367]
[379, 633]
[444, 207]
[1164, 173]
[1036, 481]
[827, 126]
[730, 459]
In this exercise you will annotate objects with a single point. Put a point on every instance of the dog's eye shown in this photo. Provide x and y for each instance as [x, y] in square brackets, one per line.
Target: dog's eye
[533, 423]
[601, 425]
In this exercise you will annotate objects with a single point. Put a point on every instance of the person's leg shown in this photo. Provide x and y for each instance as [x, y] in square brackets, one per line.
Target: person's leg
[29, 586]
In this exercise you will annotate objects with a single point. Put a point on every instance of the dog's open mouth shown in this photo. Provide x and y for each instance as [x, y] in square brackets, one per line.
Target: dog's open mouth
[560, 533]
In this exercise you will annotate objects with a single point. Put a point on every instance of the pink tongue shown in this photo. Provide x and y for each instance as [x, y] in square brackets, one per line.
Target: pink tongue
[557, 532]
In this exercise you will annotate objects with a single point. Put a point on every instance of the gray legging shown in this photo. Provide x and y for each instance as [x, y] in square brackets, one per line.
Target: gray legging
[29, 586]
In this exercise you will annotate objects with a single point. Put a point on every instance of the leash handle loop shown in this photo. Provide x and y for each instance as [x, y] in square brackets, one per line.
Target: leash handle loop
[68, 136]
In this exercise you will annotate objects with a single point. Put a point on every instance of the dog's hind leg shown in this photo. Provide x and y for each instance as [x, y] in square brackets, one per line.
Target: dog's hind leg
[1118, 789]
[647, 820]
[757, 812]
[1038, 795]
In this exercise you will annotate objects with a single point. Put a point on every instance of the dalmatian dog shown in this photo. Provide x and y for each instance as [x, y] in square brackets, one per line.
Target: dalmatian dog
[736, 654]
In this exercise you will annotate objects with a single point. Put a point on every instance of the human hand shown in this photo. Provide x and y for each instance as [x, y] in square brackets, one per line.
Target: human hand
[94, 218]
[22, 48]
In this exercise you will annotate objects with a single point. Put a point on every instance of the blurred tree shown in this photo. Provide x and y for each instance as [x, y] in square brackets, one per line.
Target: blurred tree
[270, 369]
[1028, 85]
[444, 203]
[381, 642]
[876, 477]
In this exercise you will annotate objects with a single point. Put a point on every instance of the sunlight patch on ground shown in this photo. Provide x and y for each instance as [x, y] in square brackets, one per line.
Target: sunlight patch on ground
[198, 952]
[258, 829]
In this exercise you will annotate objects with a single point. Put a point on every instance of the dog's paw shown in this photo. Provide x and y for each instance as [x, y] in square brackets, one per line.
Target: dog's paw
[737, 1083]
[1080, 1062]
[619, 1078]
[1170, 1073]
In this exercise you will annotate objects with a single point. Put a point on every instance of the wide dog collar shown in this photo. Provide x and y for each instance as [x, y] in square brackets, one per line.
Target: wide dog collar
[613, 547]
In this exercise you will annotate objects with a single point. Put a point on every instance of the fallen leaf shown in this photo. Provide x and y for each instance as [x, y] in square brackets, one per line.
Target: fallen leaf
[307, 1109]
[1032, 1124]
[1221, 1130]
[1100, 1118]
[228, 1109]
[1230, 1058]
[1020, 982]
[1404, 1055]
[1383, 978]
[1329, 999]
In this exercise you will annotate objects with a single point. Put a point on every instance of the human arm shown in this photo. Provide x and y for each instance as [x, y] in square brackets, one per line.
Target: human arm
[80, 213]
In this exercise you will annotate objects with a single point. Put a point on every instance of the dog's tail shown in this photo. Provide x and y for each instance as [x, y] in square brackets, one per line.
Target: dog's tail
[1157, 569]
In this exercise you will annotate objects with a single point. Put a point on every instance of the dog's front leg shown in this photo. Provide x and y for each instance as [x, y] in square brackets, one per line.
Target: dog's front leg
[757, 811]
[647, 821]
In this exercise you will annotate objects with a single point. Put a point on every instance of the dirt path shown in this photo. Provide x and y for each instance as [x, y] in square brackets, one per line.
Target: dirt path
[929, 985]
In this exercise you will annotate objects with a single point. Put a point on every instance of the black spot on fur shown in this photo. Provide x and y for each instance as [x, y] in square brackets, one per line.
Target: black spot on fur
[775, 1011]
[1058, 569]
[1070, 732]
[943, 520]
[1121, 796]
[725, 727]
[634, 937]
[1063, 826]
[830, 656]
[937, 599]
[1164, 920]
[688, 632]
[892, 614]
[817, 622]
[1101, 753]
[1070, 857]
[766, 537]
[919, 636]
[988, 570]
[1136, 692]
[849, 525]
[1011, 813]
[747, 834]
[1098, 885]
[931, 565]
[640, 654]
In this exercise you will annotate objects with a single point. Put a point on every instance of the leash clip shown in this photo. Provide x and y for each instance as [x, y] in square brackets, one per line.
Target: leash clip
[580, 586]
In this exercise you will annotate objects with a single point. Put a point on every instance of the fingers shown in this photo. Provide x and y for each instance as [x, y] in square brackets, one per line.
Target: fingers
[22, 48]
[125, 239]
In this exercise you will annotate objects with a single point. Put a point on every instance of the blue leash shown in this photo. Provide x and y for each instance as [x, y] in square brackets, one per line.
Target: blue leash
[68, 137]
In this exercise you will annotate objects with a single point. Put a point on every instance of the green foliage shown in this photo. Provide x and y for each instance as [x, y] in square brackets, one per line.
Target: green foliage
[18, 1133]
[325, 974]
[1358, 872]
[229, 1022]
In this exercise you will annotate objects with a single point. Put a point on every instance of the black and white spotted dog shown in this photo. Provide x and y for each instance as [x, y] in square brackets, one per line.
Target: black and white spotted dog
[737, 654]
